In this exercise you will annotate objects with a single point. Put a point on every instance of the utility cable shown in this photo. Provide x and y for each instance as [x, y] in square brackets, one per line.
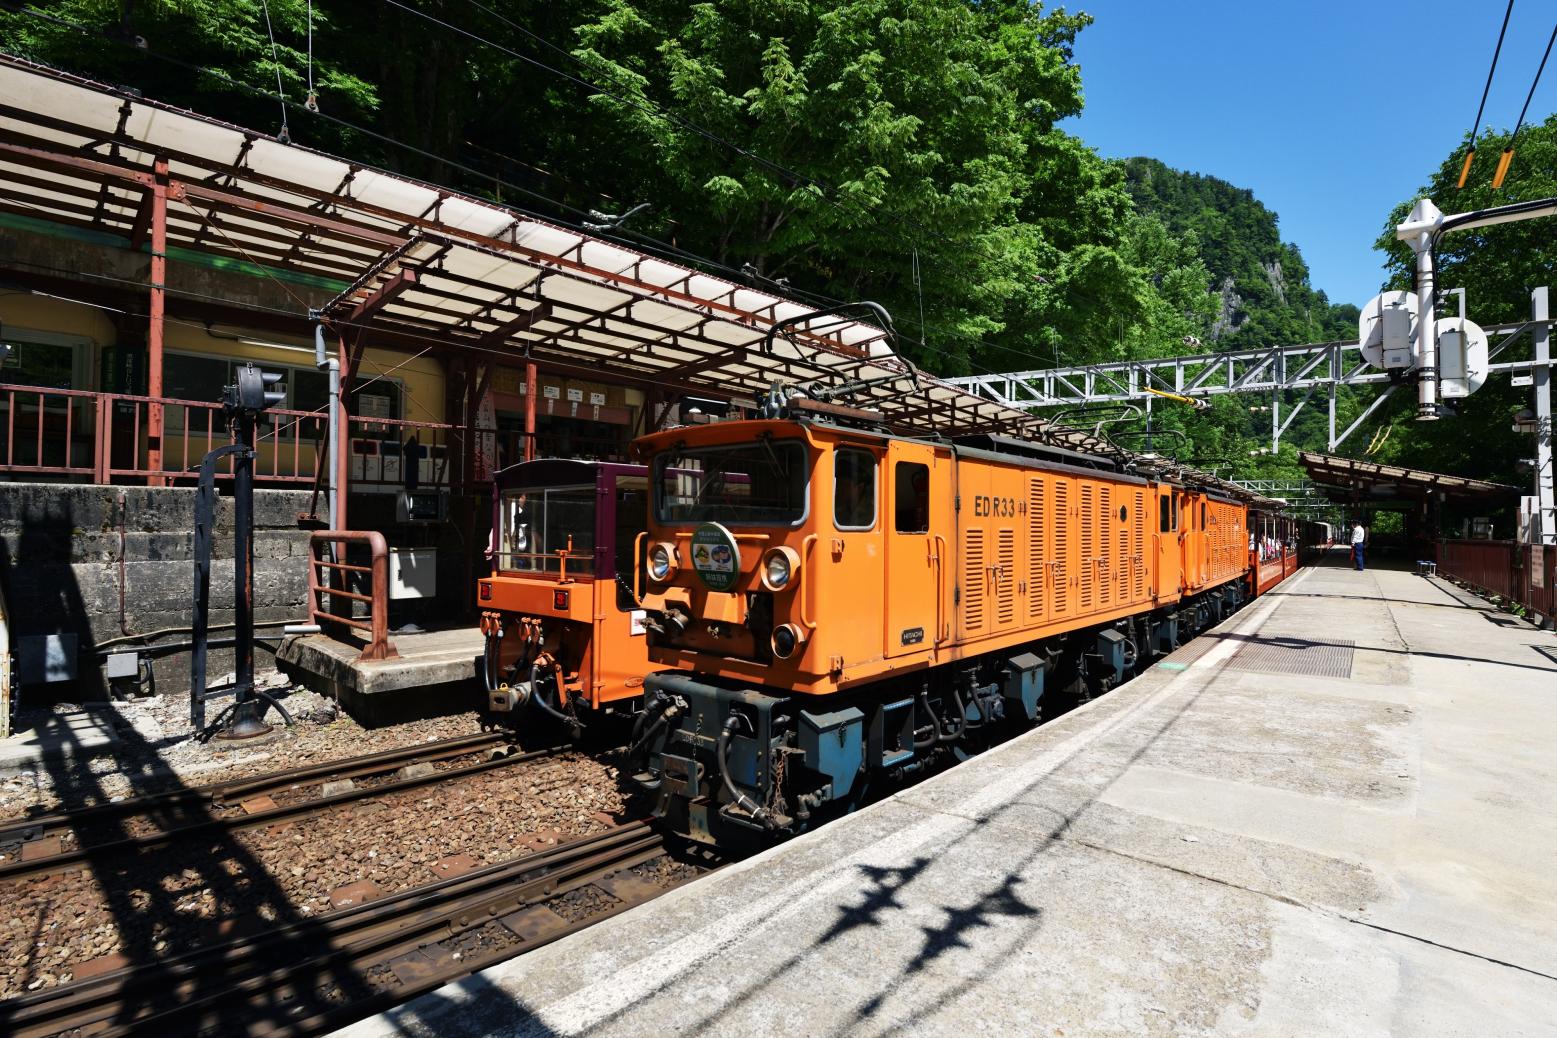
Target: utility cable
[312, 103]
[1465, 169]
[1508, 155]
[275, 61]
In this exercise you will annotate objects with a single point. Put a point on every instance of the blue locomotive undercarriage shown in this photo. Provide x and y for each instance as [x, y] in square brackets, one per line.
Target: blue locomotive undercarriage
[730, 763]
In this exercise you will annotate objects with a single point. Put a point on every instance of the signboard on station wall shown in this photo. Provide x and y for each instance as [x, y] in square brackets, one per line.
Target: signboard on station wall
[372, 405]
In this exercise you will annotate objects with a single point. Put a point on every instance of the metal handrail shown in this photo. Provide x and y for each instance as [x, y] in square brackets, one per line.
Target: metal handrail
[103, 436]
[377, 621]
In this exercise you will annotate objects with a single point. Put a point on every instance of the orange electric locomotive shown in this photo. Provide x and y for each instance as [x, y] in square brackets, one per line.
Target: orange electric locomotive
[830, 607]
[563, 634]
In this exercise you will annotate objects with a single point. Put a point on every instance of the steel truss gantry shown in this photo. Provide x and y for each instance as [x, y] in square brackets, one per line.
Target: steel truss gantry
[1271, 371]
[1300, 495]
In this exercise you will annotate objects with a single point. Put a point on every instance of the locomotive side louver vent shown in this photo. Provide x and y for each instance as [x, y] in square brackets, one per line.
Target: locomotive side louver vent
[973, 582]
[1124, 564]
[1037, 557]
[1140, 545]
[1103, 576]
[1087, 521]
[1061, 528]
[1005, 576]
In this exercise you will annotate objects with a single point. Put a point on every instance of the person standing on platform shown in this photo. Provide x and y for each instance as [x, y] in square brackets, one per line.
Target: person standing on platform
[1359, 544]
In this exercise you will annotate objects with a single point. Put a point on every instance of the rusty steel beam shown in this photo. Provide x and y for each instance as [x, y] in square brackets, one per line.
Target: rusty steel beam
[154, 334]
[530, 389]
[340, 450]
[275, 210]
[140, 230]
[363, 312]
[519, 324]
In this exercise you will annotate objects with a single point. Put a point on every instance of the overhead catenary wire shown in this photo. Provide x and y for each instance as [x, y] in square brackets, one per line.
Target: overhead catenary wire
[1508, 155]
[1476, 128]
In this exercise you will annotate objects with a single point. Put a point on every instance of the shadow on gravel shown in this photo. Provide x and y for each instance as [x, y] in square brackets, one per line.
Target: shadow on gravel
[155, 898]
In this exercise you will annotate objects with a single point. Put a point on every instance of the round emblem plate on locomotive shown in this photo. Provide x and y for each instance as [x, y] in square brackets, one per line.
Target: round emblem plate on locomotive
[716, 559]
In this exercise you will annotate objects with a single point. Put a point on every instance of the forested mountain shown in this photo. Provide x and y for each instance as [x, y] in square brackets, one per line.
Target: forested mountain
[1263, 293]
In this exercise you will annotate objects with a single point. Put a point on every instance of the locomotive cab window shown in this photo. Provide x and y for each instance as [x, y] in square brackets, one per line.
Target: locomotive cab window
[911, 488]
[761, 483]
[854, 489]
[1165, 513]
[632, 515]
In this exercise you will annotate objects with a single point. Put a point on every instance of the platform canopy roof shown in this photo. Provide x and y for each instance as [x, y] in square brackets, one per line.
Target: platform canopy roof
[425, 265]
[1349, 481]
[417, 266]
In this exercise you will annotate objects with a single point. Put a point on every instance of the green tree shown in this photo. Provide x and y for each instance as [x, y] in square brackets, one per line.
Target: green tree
[868, 132]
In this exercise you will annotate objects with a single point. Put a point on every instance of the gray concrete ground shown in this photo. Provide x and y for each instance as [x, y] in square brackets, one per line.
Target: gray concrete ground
[79, 733]
[434, 669]
[1220, 847]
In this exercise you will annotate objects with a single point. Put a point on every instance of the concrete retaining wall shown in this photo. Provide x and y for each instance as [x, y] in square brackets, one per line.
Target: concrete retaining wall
[63, 548]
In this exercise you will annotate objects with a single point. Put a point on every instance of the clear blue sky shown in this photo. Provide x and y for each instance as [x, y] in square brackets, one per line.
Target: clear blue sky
[1313, 106]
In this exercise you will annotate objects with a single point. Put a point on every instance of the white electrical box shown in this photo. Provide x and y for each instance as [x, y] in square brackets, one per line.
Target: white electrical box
[1395, 336]
[1384, 330]
[1462, 357]
[413, 573]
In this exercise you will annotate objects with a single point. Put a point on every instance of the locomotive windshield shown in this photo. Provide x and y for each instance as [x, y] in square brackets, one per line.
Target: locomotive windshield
[541, 521]
[754, 483]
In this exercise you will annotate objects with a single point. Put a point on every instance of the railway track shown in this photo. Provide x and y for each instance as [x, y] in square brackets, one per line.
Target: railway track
[310, 976]
[62, 840]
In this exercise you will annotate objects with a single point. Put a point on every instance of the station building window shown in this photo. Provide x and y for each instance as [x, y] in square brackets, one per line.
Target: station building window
[911, 491]
[854, 489]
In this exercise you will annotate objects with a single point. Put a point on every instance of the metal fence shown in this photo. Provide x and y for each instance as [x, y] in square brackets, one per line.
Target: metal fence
[81, 436]
[1521, 573]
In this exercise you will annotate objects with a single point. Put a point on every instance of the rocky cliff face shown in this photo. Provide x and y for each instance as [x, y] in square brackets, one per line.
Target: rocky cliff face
[1262, 282]
[1228, 315]
[1278, 280]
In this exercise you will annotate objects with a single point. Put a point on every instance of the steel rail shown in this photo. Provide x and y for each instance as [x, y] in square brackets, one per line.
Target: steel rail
[20, 868]
[352, 939]
[218, 794]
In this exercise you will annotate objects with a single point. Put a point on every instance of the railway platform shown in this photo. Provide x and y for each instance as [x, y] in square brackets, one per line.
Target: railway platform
[431, 672]
[1331, 815]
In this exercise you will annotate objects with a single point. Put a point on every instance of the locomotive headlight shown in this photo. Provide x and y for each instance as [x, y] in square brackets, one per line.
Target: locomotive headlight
[778, 568]
[662, 561]
[786, 640]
